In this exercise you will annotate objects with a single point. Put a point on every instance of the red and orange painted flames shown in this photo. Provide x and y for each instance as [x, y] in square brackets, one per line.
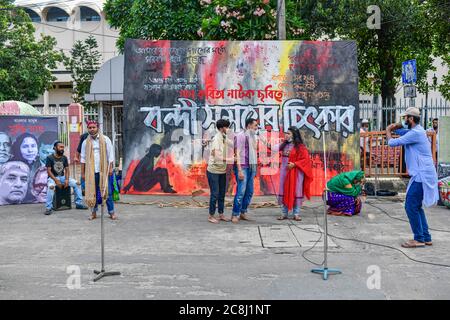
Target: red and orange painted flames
[187, 181]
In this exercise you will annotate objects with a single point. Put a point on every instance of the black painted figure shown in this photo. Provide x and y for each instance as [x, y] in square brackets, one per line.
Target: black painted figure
[145, 176]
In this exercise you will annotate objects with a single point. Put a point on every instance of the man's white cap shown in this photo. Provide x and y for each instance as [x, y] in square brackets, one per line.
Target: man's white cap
[411, 111]
[365, 121]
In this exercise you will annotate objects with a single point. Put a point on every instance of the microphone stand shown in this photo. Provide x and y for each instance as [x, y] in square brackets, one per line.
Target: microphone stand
[325, 270]
[102, 273]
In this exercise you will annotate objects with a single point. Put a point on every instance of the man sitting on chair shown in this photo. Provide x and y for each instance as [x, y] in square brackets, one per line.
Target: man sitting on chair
[58, 174]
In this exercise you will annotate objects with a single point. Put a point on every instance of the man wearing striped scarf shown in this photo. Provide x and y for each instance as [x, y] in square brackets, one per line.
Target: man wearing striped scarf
[97, 162]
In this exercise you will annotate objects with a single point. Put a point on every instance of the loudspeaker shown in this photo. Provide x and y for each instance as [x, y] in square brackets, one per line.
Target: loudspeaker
[62, 199]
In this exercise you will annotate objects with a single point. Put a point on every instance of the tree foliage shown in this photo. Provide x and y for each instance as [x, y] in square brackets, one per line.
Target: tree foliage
[409, 29]
[403, 35]
[438, 18]
[83, 63]
[202, 19]
[25, 62]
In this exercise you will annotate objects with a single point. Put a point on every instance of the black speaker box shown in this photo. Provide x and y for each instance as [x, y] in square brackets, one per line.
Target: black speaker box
[62, 199]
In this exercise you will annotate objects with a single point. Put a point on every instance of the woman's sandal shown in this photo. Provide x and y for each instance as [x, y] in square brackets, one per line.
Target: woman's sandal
[297, 218]
[92, 217]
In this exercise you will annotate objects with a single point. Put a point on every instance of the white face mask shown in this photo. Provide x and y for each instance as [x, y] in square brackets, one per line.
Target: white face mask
[253, 131]
[405, 124]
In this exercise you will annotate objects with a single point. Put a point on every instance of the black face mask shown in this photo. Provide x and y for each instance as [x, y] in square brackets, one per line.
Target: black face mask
[409, 125]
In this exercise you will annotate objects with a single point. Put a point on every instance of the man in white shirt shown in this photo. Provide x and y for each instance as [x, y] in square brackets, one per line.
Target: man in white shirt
[102, 183]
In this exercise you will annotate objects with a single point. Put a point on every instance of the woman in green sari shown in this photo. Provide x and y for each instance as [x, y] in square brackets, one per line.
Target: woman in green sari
[343, 193]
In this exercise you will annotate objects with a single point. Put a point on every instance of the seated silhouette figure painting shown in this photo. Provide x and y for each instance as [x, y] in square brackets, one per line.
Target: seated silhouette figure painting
[146, 176]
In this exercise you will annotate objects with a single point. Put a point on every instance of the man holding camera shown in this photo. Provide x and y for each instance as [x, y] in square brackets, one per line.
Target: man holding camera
[423, 185]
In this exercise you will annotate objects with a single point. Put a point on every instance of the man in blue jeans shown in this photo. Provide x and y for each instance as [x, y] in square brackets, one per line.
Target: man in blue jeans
[97, 161]
[423, 185]
[217, 171]
[245, 145]
[58, 175]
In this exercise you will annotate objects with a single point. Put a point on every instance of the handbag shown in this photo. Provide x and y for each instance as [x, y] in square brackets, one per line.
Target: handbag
[116, 193]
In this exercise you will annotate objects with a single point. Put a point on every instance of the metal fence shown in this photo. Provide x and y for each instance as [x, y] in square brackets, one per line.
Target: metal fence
[60, 112]
[380, 115]
[378, 159]
[91, 114]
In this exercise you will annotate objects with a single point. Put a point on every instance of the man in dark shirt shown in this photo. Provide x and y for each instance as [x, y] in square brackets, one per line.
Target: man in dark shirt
[78, 155]
[58, 174]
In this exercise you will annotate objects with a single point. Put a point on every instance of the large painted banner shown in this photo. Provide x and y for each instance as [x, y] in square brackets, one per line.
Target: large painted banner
[174, 91]
[25, 143]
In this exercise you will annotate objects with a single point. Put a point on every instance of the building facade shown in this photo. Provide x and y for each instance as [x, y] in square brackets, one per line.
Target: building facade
[69, 21]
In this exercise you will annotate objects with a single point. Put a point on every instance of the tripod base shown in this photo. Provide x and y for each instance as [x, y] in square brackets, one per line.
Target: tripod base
[103, 273]
[326, 272]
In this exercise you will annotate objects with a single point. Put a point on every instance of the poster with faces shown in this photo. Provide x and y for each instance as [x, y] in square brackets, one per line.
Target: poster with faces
[25, 143]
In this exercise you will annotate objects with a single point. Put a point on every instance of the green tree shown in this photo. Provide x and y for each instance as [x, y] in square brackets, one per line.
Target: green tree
[202, 19]
[438, 13]
[401, 37]
[25, 63]
[409, 29]
[83, 63]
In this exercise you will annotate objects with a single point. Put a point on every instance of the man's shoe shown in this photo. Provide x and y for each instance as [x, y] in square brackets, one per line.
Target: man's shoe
[48, 212]
[81, 206]
[235, 219]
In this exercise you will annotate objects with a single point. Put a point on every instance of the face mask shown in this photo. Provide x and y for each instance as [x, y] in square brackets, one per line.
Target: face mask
[289, 140]
[405, 124]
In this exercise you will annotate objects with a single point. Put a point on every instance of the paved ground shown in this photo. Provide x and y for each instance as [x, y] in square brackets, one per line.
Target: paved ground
[174, 253]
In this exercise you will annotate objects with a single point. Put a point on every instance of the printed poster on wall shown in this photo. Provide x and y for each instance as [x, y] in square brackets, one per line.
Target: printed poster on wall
[25, 143]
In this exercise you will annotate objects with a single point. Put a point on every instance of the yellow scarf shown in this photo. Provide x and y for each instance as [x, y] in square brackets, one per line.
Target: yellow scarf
[90, 193]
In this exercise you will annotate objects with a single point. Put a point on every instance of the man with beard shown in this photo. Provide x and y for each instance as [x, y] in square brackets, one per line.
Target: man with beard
[39, 185]
[58, 175]
[5, 148]
[14, 177]
[423, 185]
[245, 148]
[97, 164]
[435, 130]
